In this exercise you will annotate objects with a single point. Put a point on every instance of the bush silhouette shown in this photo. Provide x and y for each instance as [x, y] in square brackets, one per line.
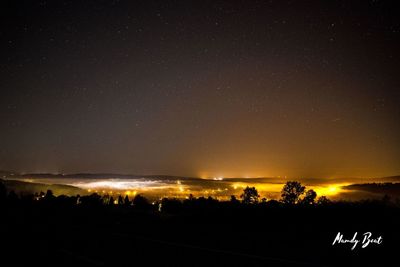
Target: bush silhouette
[323, 200]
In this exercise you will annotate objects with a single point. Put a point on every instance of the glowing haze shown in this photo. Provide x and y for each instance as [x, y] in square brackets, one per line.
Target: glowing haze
[242, 89]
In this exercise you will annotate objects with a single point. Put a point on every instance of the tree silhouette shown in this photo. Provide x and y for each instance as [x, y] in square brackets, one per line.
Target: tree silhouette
[126, 201]
[49, 195]
[291, 192]
[250, 195]
[111, 201]
[140, 202]
[234, 200]
[120, 200]
[309, 198]
[106, 199]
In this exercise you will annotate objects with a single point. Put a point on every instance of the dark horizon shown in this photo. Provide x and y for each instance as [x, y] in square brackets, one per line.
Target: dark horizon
[13, 172]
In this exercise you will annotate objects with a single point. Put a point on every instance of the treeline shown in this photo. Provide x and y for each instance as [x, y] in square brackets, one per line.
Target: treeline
[293, 194]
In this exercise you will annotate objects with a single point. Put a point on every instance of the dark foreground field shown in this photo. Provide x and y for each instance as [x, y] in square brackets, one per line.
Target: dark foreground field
[59, 233]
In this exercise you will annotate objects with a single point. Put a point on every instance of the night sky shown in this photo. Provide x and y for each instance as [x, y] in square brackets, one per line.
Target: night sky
[201, 88]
